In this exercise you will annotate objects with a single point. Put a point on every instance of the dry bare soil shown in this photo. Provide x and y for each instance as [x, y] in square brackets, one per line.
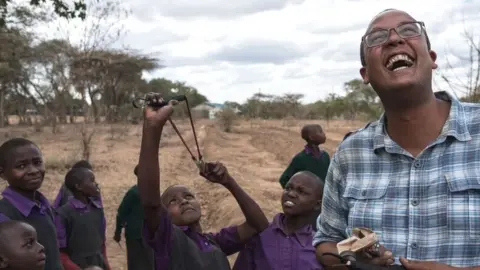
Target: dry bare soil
[255, 153]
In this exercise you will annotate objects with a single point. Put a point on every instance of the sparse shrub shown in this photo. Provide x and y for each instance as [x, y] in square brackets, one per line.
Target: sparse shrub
[226, 118]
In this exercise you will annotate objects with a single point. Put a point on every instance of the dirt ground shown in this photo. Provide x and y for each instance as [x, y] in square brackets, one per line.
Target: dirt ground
[255, 153]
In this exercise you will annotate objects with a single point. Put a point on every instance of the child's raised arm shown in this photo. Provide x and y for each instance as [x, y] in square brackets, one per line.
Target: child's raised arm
[256, 221]
[148, 167]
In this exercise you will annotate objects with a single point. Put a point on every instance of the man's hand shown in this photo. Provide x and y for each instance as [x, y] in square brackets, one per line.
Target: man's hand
[385, 257]
[216, 173]
[423, 265]
[154, 116]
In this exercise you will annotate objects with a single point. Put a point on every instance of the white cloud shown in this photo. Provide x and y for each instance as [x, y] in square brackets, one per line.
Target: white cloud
[231, 49]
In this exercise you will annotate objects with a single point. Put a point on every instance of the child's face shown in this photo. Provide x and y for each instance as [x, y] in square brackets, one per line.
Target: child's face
[88, 186]
[182, 206]
[301, 196]
[317, 136]
[22, 250]
[24, 168]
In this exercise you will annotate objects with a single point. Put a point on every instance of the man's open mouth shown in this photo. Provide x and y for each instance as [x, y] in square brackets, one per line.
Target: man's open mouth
[399, 61]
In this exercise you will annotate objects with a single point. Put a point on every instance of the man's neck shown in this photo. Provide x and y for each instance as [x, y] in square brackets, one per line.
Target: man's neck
[416, 127]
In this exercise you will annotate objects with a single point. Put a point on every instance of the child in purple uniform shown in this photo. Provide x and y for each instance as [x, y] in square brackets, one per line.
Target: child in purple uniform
[172, 225]
[21, 165]
[287, 243]
[64, 194]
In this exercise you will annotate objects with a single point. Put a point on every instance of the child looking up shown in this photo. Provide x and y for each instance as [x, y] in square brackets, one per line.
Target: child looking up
[21, 165]
[311, 158]
[287, 243]
[172, 225]
[64, 194]
[81, 223]
[19, 248]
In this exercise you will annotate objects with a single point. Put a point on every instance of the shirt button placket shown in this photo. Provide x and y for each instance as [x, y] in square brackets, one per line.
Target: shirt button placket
[415, 191]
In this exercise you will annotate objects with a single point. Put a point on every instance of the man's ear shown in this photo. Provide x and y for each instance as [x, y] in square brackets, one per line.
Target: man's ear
[3, 262]
[364, 74]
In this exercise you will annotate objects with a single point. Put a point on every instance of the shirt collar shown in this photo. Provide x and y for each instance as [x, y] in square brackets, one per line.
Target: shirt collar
[25, 205]
[309, 149]
[304, 234]
[77, 204]
[455, 126]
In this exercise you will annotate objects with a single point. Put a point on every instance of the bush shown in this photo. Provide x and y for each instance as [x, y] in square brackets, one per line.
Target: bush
[226, 118]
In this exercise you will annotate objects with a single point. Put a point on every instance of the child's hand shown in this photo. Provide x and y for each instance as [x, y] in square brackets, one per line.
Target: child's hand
[154, 116]
[216, 173]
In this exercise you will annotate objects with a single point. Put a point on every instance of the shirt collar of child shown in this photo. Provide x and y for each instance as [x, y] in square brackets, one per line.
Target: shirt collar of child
[77, 204]
[304, 235]
[310, 150]
[24, 205]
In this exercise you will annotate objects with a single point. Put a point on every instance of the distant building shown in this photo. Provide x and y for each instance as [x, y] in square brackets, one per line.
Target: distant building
[207, 109]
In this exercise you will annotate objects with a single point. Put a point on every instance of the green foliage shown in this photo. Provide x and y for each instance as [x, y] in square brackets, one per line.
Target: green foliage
[359, 101]
[60, 8]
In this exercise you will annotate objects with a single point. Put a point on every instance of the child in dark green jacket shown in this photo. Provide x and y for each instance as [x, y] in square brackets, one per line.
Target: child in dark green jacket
[130, 216]
[311, 158]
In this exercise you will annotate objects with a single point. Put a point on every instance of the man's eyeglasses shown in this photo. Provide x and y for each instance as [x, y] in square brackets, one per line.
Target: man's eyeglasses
[404, 30]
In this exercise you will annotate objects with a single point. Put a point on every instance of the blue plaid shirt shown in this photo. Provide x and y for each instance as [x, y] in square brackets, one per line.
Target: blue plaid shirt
[424, 208]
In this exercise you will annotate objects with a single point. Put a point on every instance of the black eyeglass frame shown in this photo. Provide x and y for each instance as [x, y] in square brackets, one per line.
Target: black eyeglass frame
[389, 31]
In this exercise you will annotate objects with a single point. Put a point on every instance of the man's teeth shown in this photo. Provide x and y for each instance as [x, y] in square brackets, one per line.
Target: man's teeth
[289, 203]
[399, 57]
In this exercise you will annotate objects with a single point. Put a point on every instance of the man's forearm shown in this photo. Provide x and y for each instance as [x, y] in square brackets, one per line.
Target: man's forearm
[252, 212]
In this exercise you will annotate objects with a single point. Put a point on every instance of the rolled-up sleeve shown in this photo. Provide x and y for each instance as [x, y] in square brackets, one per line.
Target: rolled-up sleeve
[227, 240]
[161, 239]
[332, 222]
[60, 226]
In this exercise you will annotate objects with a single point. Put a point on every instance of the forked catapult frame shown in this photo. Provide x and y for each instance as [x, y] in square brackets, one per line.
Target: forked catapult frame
[362, 239]
[149, 100]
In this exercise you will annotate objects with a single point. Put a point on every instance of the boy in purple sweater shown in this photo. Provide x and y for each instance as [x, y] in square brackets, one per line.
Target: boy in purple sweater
[287, 243]
[172, 225]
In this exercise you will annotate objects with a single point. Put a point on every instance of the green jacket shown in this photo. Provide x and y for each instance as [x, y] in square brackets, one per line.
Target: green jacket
[130, 215]
[305, 161]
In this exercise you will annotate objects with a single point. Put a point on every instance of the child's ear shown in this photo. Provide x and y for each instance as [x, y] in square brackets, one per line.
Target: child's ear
[3, 262]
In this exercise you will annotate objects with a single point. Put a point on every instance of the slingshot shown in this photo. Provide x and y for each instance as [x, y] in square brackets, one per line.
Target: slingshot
[148, 100]
[361, 239]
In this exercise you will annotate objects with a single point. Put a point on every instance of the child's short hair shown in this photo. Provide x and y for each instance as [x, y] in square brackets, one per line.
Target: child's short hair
[83, 164]
[5, 228]
[7, 147]
[74, 177]
[307, 129]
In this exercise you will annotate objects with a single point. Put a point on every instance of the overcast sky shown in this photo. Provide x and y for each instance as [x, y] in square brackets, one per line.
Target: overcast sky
[231, 49]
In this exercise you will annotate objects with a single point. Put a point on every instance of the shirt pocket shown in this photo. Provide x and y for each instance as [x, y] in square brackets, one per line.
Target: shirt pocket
[463, 203]
[366, 203]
